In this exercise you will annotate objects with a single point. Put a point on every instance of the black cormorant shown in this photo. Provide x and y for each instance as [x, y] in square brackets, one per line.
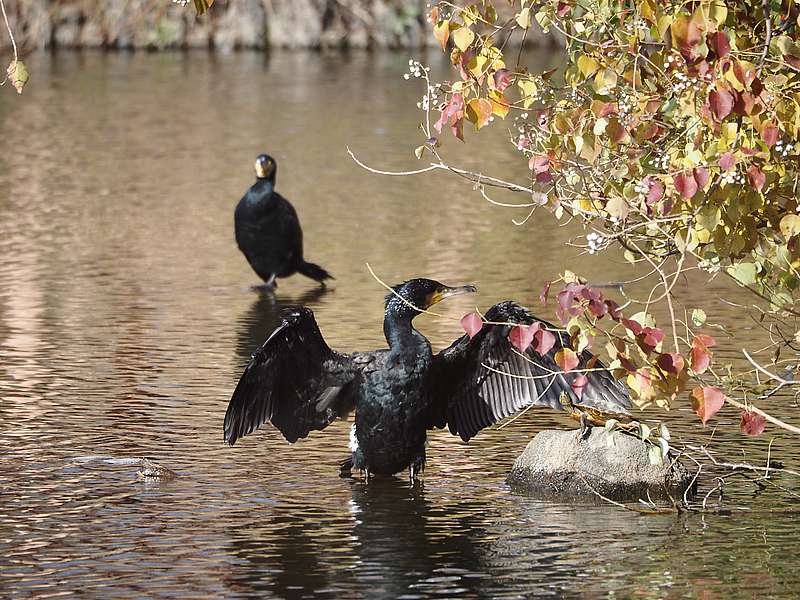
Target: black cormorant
[268, 232]
[299, 384]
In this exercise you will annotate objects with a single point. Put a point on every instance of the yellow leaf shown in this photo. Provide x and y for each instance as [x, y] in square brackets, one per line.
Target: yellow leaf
[600, 126]
[605, 80]
[729, 133]
[718, 12]
[617, 207]
[202, 6]
[664, 23]
[524, 18]
[587, 65]
[478, 111]
[648, 10]
[499, 104]
[790, 226]
[18, 75]
[528, 89]
[441, 32]
[463, 37]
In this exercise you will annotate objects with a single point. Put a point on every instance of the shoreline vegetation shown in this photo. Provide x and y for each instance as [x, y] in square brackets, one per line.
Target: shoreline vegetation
[227, 26]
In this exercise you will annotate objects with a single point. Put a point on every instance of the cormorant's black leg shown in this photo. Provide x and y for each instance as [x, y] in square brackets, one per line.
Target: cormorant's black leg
[346, 467]
[415, 468]
[586, 428]
[270, 283]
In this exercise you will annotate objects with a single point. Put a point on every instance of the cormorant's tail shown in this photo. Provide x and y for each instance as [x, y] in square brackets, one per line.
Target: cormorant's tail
[314, 272]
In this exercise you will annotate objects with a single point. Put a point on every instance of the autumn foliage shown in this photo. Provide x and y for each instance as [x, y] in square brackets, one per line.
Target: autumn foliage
[671, 130]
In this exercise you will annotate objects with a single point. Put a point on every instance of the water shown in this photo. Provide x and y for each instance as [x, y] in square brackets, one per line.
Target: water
[126, 317]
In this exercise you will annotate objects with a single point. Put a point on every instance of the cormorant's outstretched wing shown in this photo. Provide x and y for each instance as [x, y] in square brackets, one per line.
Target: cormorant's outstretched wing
[294, 381]
[467, 396]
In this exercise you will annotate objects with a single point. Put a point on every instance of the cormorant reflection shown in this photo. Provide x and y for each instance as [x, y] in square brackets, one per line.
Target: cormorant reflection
[407, 545]
[387, 542]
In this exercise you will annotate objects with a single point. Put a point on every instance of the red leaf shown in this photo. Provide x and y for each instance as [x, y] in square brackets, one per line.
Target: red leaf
[756, 177]
[633, 326]
[721, 102]
[671, 362]
[614, 310]
[604, 108]
[656, 192]
[685, 184]
[699, 356]
[706, 401]
[598, 308]
[720, 44]
[501, 80]
[458, 128]
[726, 161]
[562, 10]
[770, 134]
[707, 340]
[701, 177]
[578, 384]
[452, 114]
[746, 104]
[544, 177]
[566, 359]
[521, 336]
[700, 359]
[543, 341]
[545, 291]
[539, 163]
[750, 422]
[649, 338]
[472, 324]
[626, 363]
[744, 73]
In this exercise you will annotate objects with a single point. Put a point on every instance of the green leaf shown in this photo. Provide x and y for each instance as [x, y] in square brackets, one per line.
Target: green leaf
[644, 430]
[745, 273]
[18, 75]
[654, 455]
[698, 317]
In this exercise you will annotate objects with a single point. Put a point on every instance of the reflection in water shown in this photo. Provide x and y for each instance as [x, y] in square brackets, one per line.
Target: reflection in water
[126, 318]
[264, 315]
[397, 531]
[383, 545]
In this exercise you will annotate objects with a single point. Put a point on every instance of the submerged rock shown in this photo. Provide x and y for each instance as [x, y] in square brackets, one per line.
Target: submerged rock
[558, 464]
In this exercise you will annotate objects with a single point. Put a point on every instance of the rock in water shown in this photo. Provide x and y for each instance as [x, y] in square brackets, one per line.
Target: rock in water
[556, 464]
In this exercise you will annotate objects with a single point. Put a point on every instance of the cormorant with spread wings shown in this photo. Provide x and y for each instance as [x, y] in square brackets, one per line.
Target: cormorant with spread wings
[299, 384]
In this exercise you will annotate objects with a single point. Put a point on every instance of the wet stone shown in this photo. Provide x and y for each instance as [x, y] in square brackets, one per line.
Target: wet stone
[557, 464]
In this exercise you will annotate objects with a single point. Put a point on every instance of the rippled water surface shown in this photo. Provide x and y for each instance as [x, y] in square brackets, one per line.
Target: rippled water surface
[126, 316]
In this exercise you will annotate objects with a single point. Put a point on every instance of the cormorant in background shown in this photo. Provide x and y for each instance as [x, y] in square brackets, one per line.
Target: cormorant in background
[268, 232]
[297, 383]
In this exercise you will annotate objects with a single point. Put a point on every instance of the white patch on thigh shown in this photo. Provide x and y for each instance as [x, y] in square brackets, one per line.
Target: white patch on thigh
[353, 441]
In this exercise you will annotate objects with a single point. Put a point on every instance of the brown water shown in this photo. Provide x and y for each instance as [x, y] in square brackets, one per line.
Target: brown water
[126, 316]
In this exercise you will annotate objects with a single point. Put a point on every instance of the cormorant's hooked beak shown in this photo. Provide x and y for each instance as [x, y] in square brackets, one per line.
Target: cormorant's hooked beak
[447, 292]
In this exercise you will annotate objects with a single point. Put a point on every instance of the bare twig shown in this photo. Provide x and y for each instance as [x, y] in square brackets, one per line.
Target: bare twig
[11, 37]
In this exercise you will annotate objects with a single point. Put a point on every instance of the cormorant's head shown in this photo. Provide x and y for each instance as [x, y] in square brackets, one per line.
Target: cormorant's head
[422, 294]
[265, 167]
